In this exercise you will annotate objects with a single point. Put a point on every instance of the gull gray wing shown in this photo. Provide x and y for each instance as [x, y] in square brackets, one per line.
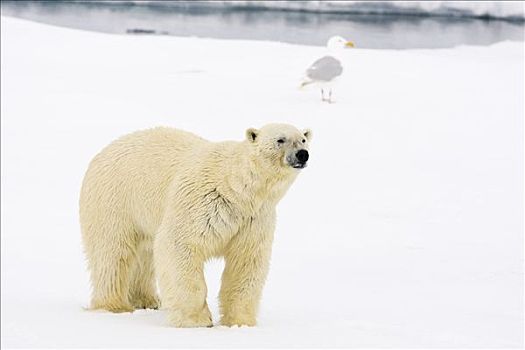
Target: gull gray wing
[325, 69]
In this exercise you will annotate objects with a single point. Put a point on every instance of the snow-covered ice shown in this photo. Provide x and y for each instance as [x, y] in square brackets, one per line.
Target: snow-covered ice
[406, 229]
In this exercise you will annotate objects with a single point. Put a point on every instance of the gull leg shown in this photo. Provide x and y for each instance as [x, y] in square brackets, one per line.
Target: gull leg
[330, 96]
[322, 95]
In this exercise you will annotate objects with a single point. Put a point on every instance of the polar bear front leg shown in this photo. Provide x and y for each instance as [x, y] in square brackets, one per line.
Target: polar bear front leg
[247, 259]
[183, 289]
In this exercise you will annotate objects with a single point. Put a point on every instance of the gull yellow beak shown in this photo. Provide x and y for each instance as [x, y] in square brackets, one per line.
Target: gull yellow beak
[349, 44]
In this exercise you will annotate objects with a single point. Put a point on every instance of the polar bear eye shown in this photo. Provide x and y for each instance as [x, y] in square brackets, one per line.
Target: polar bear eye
[304, 140]
[281, 140]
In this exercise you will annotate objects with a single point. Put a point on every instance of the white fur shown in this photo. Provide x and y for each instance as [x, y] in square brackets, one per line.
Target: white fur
[161, 202]
[336, 43]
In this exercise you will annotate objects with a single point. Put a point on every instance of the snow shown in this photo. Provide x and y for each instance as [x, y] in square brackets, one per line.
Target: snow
[406, 229]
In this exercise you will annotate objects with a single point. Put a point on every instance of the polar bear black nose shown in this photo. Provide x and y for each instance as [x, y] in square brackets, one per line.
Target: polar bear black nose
[302, 156]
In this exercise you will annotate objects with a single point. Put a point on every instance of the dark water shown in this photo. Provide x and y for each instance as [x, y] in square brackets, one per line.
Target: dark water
[216, 21]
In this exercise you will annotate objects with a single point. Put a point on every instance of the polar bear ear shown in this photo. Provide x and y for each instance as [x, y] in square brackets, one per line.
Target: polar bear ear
[251, 134]
[308, 134]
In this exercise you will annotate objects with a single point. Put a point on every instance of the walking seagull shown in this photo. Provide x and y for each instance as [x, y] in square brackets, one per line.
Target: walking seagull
[325, 70]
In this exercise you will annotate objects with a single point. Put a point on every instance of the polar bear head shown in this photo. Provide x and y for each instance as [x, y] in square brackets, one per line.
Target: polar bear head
[280, 145]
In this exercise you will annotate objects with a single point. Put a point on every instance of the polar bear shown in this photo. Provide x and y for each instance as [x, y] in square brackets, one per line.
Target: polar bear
[157, 204]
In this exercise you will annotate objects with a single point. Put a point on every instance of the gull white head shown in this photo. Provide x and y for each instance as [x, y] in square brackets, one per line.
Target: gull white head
[338, 42]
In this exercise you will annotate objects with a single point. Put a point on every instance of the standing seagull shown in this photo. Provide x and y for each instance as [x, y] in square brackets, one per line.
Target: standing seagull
[325, 70]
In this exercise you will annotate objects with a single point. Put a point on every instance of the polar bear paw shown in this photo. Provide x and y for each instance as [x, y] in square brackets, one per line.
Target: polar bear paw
[145, 302]
[186, 319]
[113, 306]
[238, 320]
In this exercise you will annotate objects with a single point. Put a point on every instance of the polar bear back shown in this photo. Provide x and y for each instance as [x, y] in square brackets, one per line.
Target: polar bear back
[131, 176]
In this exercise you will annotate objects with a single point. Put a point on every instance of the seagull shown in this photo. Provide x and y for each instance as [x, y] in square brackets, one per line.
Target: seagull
[325, 70]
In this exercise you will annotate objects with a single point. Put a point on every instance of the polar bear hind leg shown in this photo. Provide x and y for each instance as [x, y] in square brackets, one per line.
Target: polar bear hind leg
[110, 263]
[143, 287]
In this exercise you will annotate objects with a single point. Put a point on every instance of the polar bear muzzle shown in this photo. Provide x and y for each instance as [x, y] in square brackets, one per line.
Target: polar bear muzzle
[300, 159]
